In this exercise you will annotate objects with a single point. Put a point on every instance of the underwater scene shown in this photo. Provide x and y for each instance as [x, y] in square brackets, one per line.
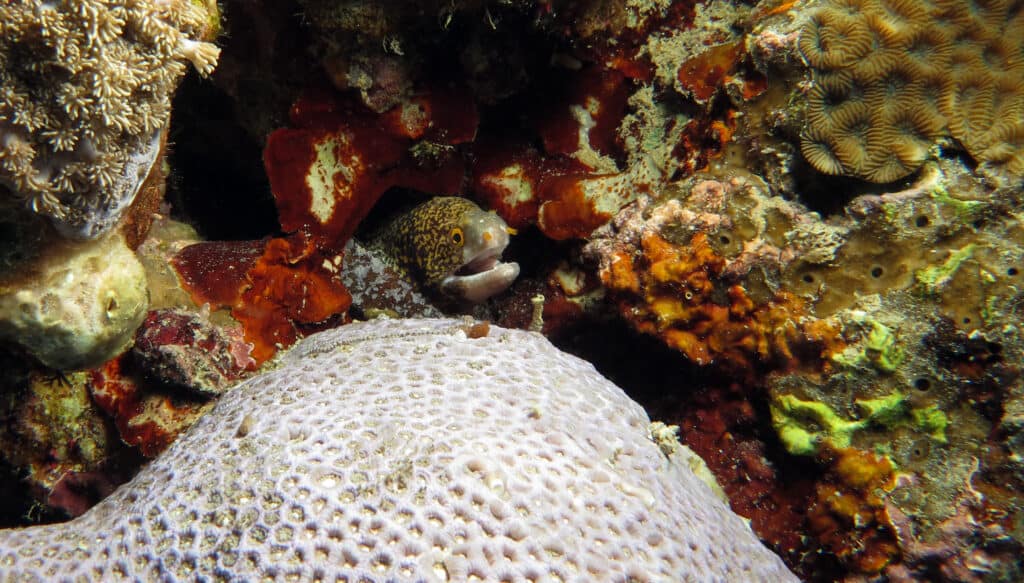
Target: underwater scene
[512, 291]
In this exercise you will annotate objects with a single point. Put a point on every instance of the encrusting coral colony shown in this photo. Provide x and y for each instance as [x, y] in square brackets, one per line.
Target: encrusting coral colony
[86, 97]
[317, 323]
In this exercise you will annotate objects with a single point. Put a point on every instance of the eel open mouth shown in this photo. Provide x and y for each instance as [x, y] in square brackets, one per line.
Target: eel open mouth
[482, 273]
[481, 277]
[485, 261]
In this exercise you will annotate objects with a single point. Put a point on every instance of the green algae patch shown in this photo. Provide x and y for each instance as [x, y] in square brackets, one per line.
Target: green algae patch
[931, 420]
[965, 210]
[887, 411]
[880, 348]
[932, 279]
[804, 425]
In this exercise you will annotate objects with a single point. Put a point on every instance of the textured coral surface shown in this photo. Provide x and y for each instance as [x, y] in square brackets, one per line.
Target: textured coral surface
[85, 90]
[792, 229]
[315, 470]
[890, 77]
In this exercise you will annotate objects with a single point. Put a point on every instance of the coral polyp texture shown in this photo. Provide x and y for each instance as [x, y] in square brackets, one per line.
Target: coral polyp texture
[317, 471]
[85, 90]
[891, 77]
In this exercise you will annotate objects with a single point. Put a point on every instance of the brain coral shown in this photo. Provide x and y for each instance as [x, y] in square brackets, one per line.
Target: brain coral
[85, 89]
[409, 451]
[889, 77]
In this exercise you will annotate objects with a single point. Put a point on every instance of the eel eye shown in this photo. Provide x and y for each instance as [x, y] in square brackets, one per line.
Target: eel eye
[456, 236]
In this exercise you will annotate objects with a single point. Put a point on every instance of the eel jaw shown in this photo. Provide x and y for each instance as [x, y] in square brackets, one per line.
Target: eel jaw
[482, 274]
[480, 278]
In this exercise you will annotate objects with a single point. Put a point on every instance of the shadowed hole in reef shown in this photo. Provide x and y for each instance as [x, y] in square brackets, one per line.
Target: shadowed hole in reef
[828, 195]
[217, 183]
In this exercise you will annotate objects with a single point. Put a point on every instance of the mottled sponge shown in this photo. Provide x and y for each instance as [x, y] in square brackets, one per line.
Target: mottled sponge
[85, 88]
[890, 77]
[416, 450]
[77, 305]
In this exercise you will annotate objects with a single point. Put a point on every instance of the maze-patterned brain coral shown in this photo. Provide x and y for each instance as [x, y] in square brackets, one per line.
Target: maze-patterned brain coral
[889, 77]
[409, 451]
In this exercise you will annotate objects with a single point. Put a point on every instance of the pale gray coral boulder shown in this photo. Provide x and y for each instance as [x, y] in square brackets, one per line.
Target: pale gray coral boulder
[416, 450]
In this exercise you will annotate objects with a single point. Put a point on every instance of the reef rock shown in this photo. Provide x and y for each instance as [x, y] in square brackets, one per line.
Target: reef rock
[410, 450]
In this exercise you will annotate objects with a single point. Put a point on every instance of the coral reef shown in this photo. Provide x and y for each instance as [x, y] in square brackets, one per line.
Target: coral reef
[53, 430]
[85, 101]
[791, 229]
[145, 418]
[890, 77]
[335, 163]
[921, 287]
[860, 334]
[276, 289]
[273, 482]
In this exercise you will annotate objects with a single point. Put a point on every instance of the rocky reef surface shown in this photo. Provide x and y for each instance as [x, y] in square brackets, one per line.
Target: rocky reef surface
[792, 231]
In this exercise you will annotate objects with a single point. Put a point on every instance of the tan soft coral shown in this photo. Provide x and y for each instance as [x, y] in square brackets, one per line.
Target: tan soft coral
[85, 90]
[890, 77]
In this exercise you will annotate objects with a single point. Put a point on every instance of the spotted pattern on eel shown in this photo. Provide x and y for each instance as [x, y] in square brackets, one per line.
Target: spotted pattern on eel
[451, 245]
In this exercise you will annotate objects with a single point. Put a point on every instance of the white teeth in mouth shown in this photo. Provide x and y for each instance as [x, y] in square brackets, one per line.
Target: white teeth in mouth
[477, 287]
